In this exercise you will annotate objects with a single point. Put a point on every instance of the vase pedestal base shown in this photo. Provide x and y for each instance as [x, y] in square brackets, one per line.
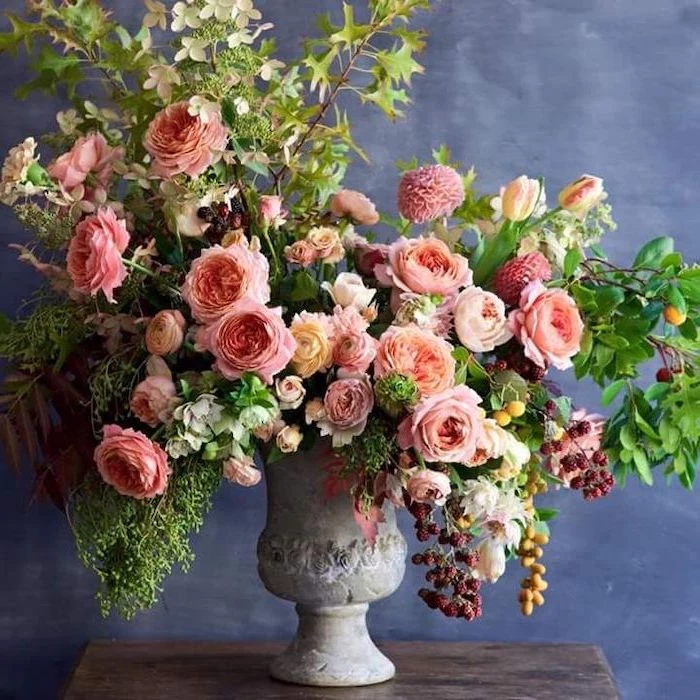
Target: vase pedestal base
[332, 648]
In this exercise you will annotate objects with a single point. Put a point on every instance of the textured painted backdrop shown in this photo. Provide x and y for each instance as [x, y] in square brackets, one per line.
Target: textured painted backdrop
[553, 87]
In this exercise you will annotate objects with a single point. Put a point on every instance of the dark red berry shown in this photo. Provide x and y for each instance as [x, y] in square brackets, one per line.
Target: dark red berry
[206, 214]
[417, 559]
[664, 375]
[501, 366]
[422, 535]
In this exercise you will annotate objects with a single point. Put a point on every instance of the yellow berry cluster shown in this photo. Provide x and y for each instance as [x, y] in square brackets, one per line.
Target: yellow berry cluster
[534, 585]
[513, 409]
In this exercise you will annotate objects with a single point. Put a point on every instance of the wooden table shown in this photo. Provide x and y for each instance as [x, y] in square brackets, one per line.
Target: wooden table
[426, 671]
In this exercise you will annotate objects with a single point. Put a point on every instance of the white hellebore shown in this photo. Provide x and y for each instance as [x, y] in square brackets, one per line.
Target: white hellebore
[349, 290]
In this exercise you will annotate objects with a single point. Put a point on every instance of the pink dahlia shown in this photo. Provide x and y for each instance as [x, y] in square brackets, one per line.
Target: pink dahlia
[512, 277]
[429, 193]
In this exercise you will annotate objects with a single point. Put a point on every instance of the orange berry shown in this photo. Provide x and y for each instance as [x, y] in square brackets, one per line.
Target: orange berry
[515, 409]
[674, 316]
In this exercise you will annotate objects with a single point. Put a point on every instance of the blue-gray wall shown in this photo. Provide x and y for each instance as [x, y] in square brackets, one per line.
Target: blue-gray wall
[552, 87]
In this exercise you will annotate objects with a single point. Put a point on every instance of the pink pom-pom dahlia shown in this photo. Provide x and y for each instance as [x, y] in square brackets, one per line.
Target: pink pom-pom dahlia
[428, 193]
[512, 277]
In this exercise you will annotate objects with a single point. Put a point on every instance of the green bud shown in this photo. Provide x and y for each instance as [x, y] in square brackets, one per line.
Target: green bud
[395, 393]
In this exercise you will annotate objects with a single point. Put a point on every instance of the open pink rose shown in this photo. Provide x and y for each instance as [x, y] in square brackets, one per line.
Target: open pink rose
[348, 402]
[221, 277]
[182, 143]
[242, 472]
[417, 354]
[154, 400]
[424, 266]
[354, 349]
[249, 338]
[94, 257]
[427, 486]
[356, 206]
[90, 155]
[301, 253]
[131, 463]
[548, 324]
[446, 427]
[480, 320]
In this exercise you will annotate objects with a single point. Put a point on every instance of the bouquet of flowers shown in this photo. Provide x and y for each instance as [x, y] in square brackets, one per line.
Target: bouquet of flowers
[212, 293]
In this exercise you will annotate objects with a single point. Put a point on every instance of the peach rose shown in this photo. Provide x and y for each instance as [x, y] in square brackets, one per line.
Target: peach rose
[325, 240]
[347, 404]
[520, 197]
[427, 486]
[548, 324]
[242, 471]
[581, 196]
[480, 320]
[314, 411]
[94, 258]
[356, 206]
[131, 463]
[290, 392]
[288, 439]
[417, 354]
[301, 253]
[90, 155]
[182, 143]
[154, 400]
[446, 427]
[166, 332]
[314, 351]
[249, 338]
[424, 266]
[221, 277]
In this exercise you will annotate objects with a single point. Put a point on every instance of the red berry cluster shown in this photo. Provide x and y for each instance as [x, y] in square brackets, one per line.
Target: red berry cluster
[445, 572]
[595, 483]
[223, 218]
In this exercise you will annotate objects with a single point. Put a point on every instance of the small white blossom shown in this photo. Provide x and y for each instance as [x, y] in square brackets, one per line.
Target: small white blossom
[14, 182]
[203, 108]
[192, 48]
[269, 67]
[246, 13]
[242, 106]
[185, 15]
[161, 79]
[479, 499]
[69, 121]
[156, 16]
[222, 10]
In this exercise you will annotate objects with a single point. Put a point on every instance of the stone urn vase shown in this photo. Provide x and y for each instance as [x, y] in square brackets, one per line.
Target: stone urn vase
[312, 552]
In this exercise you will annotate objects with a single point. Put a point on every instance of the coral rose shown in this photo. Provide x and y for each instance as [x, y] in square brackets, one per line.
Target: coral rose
[548, 324]
[347, 405]
[427, 486]
[417, 354]
[314, 352]
[356, 206]
[154, 400]
[221, 277]
[428, 193]
[94, 258]
[249, 338]
[183, 143]
[131, 463]
[581, 196]
[301, 253]
[424, 266]
[480, 320]
[446, 427]
[242, 471]
[166, 332]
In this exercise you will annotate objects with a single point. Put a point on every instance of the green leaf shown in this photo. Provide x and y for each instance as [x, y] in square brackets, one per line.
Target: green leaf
[609, 298]
[351, 32]
[654, 251]
[676, 298]
[571, 262]
[641, 462]
[612, 391]
[546, 514]
[645, 427]
[304, 287]
[614, 341]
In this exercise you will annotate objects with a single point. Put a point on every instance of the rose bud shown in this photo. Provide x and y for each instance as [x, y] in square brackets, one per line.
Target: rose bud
[520, 198]
[581, 196]
[165, 333]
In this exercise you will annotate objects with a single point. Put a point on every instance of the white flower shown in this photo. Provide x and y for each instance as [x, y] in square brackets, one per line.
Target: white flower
[178, 447]
[156, 15]
[290, 392]
[186, 15]
[349, 290]
[222, 10]
[162, 78]
[200, 418]
[289, 438]
[254, 417]
[492, 562]
[15, 172]
[269, 67]
[242, 106]
[246, 12]
[479, 499]
[135, 172]
[517, 454]
[204, 109]
[192, 48]
[69, 121]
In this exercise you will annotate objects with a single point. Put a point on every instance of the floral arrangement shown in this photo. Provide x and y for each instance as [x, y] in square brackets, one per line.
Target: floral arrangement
[212, 293]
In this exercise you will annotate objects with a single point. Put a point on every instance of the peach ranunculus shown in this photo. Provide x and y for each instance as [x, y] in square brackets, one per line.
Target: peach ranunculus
[301, 253]
[582, 195]
[418, 354]
[325, 240]
[183, 143]
[356, 206]
[480, 320]
[94, 258]
[154, 400]
[354, 349]
[131, 463]
[520, 198]
[166, 332]
[249, 338]
[428, 486]
[90, 155]
[347, 404]
[314, 349]
[242, 471]
[220, 277]
[548, 325]
[424, 266]
[446, 427]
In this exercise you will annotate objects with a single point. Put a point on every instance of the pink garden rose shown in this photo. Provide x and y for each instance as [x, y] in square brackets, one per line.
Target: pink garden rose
[182, 143]
[480, 320]
[131, 463]
[356, 206]
[242, 472]
[90, 155]
[427, 486]
[249, 338]
[428, 193]
[94, 258]
[548, 324]
[348, 402]
[418, 354]
[154, 400]
[220, 277]
[446, 427]
[166, 332]
[424, 266]
[354, 349]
